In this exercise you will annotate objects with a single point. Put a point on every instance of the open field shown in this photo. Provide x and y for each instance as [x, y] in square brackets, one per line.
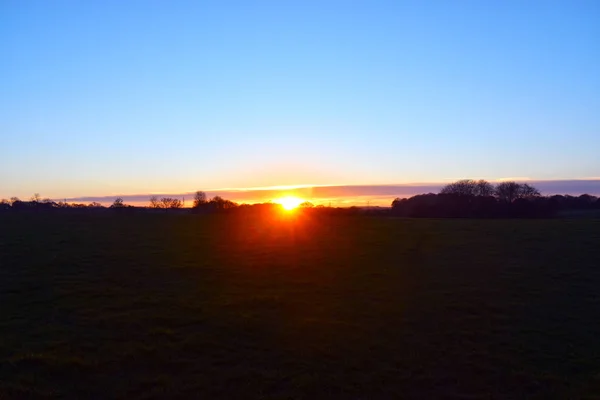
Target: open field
[161, 306]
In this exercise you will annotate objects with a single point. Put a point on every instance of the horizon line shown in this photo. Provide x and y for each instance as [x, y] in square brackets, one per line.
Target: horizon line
[374, 194]
[336, 185]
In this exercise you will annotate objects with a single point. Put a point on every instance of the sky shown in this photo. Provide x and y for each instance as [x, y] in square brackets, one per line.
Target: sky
[104, 98]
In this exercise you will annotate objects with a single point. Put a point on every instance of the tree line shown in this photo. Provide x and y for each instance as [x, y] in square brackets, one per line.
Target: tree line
[37, 203]
[464, 198]
[481, 199]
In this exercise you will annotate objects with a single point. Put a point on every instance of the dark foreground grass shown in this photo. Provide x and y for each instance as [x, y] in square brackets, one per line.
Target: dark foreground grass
[227, 307]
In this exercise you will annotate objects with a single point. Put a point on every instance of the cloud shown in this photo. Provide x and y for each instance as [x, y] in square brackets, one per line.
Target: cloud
[572, 187]
[516, 179]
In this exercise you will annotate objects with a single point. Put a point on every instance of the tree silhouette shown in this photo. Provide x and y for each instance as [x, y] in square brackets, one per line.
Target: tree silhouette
[528, 191]
[169, 202]
[469, 187]
[510, 191]
[4, 205]
[397, 202]
[464, 187]
[199, 199]
[469, 198]
[118, 203]
[220, 204]
[176, 203]
[484, 188]
[36, 198]
[306, 204]
[507, 191]
[154, 202]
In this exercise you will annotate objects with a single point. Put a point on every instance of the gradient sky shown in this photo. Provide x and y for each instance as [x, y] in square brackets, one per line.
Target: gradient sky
[127, 97]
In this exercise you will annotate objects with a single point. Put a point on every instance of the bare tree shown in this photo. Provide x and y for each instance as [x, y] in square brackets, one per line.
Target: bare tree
[118, 203]
[169, 202]
[36, 198]
[154, 202]
[507, 191]
[165, 202]
[176, 203]
[13, 200]
[510, 191]
[469, 187]
[199, 199]
[464, 187]
[528, 191]
[95, 204]
[484, 188]
[306, 204]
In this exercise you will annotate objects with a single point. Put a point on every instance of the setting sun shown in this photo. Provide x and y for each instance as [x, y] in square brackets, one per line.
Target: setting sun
[289, 202]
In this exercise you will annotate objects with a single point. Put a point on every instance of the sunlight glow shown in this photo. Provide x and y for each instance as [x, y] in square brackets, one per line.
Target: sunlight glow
[289, 202]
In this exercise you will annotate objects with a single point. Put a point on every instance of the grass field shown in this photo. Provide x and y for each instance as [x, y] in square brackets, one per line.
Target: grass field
[162, 306]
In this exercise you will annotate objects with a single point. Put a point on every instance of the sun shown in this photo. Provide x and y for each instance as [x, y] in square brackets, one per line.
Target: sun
[289, 202]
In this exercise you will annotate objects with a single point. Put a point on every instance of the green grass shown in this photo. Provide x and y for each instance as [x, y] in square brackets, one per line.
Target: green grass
[164, 306]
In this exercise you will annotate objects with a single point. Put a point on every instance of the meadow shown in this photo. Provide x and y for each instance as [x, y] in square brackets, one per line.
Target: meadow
[294, 306]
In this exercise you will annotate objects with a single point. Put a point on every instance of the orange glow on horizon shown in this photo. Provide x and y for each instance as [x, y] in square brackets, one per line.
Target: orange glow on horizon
[289, 202]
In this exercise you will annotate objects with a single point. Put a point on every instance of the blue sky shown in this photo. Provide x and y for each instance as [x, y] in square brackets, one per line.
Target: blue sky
[111, 97]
